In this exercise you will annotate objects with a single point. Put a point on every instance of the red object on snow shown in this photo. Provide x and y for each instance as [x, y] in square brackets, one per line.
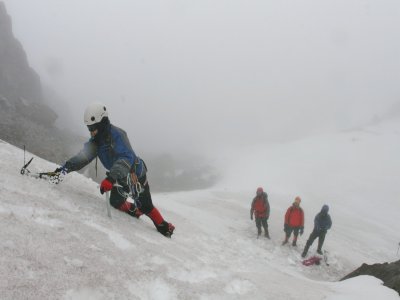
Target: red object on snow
[314, 260]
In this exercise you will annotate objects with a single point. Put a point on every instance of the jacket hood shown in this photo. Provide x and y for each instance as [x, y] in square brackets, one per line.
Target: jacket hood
[325, 209]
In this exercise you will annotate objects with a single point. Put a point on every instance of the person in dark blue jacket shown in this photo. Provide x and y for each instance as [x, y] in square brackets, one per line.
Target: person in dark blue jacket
[125, 170]
[322, 223]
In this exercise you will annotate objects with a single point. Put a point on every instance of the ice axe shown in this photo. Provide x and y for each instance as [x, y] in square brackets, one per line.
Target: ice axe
[52, 177]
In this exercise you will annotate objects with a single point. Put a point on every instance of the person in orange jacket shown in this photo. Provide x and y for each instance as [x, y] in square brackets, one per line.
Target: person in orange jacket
[294, 221]
[260, 209]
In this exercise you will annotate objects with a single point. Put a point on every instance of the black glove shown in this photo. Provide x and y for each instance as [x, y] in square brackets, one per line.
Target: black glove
[61, 170]
[301, 230]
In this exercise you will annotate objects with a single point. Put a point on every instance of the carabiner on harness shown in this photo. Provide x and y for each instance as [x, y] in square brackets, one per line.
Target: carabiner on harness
[135, 188]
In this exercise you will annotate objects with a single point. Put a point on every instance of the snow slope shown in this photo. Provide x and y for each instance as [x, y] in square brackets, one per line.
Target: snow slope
[355, 172]
[56, 241]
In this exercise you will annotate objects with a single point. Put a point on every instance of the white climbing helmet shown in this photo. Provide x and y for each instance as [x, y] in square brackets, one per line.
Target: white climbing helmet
[94, 113]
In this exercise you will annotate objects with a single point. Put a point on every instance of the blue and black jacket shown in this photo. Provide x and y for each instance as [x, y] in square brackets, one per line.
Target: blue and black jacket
[322, 222]
[114, 150]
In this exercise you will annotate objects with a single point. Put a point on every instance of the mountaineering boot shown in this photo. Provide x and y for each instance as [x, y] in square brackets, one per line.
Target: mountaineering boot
[285, 241]
[166, 229]
[294, 243]
[266, 234]
[258, 232]
[319, 251]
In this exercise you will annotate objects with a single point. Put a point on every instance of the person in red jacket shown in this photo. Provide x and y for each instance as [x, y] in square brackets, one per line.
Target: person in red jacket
[294, 221]
[260, 209]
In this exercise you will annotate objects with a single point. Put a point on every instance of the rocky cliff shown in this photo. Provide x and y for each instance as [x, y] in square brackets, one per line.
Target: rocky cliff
[17, 79]
[24, 117]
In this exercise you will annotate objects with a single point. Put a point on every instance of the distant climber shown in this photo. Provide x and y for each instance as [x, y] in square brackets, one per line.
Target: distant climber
[294, 222]
[322, 223]
[260, 209]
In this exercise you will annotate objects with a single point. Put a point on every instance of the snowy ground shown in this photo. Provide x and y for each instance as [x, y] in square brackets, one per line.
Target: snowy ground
[57, 242]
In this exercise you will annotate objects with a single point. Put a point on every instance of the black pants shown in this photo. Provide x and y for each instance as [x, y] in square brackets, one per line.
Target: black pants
[289, 231]
[144, 202]
[316, 234]
[263, 222]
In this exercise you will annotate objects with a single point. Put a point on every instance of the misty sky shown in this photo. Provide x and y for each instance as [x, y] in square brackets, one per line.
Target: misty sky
[203, 74]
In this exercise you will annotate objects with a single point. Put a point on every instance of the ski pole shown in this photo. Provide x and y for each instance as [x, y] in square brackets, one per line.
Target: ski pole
[108, 204]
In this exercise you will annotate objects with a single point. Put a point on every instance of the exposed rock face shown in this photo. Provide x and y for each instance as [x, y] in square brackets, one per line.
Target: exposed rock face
[389, 273]
[24, 118]
[17, 78]
[20, 87]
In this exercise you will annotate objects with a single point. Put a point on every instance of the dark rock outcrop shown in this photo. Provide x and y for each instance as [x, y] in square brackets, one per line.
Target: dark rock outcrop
[389, 273]
[25, 119]
[17, 78]
[20, 87]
